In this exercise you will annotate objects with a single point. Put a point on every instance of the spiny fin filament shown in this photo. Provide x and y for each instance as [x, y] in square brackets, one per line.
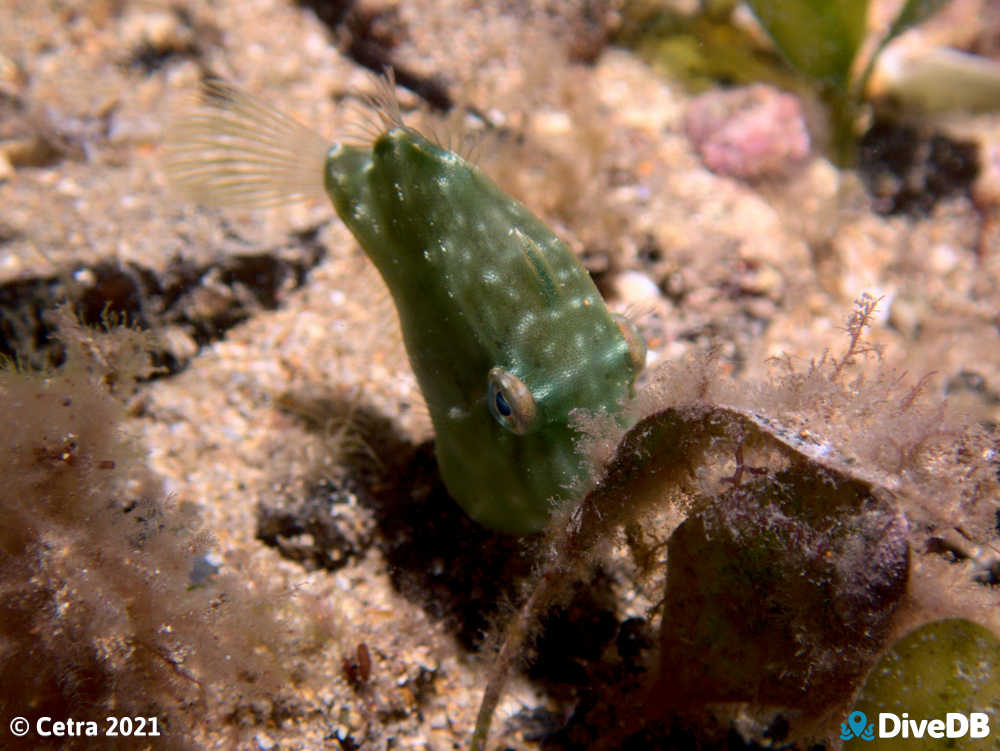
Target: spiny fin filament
[232, 149]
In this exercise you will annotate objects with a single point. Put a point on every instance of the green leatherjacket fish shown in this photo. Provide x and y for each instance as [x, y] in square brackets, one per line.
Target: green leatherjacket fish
[505, 330]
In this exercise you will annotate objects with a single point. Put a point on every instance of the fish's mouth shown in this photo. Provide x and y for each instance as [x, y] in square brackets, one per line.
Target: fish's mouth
[512, 482]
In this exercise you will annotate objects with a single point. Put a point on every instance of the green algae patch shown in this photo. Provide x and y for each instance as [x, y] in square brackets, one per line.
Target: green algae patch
[947, 666]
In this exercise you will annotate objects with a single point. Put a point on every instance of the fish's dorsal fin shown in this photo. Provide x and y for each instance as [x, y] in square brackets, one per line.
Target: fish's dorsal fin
[385, 103]
[383, 112]
[376, 112]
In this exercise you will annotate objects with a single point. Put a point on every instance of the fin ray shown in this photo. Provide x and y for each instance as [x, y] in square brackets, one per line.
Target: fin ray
[232, 149]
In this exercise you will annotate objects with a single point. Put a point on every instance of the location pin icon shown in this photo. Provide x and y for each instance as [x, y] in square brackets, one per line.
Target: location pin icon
[857, 721]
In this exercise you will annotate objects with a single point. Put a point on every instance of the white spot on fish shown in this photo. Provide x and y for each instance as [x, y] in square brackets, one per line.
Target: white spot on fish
[526, 323]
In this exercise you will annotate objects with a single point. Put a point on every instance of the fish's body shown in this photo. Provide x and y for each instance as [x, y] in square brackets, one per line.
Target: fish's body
[505, 330]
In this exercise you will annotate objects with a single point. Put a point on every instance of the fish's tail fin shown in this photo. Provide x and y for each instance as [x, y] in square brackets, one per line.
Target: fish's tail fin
[232, 149]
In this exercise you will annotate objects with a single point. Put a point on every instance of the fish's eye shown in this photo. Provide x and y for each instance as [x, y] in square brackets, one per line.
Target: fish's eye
[634, 341]
[510, 402]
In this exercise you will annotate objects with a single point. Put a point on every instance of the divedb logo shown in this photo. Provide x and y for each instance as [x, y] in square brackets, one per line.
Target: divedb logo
[954, 725]
[857, 726]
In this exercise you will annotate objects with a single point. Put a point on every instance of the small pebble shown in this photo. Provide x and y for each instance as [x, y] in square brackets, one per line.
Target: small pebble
[162, 31]
[26, 151]
[749, 133]
[986, 188]
[634, 286]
